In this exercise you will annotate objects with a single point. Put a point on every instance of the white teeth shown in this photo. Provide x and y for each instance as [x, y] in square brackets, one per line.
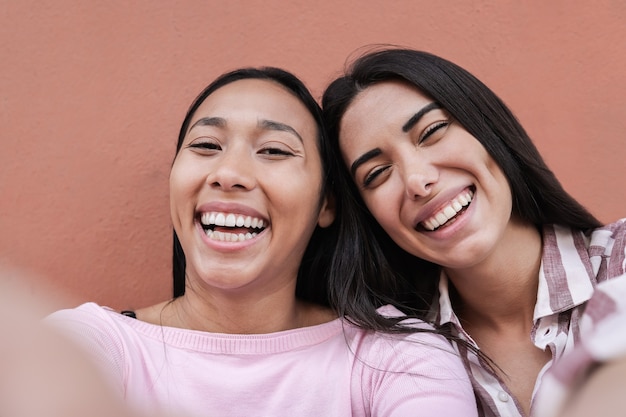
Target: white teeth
[230, 220]
[229, 237]
[449, 211]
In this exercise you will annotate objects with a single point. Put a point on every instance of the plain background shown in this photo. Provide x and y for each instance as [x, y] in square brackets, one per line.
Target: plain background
[92, 94]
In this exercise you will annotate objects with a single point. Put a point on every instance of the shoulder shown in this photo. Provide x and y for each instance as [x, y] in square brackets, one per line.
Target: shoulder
[100, 332]
[606, 312]
[93, 321]
[100, 328]
[602, 236]
[618, 225]
[95, 327]
[84, 312]
[420, 345]
[610, 234]
[604, 247]
[608, 245]
[402, 372]
[90, 314]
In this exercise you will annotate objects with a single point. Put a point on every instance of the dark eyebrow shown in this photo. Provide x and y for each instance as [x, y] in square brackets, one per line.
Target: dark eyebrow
[210, 121]
[417, 116]
[363, 159]
[272, 125]
[264, 124]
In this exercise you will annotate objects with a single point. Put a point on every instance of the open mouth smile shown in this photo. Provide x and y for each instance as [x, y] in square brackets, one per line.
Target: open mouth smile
[448, 214]
[230, 227]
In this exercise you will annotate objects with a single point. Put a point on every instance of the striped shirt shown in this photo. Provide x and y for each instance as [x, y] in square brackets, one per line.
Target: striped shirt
[602, 339]
[572, 265]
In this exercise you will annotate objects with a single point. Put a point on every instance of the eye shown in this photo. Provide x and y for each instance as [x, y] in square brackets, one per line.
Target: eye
[434, 131]
[375, 176]
[276, 151]
[204, 145]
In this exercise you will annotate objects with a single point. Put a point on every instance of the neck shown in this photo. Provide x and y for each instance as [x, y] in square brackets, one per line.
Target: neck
[237, 314]
[503, 289]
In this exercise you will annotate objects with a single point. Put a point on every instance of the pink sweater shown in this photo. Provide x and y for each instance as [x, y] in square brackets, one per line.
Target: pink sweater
[332, 369]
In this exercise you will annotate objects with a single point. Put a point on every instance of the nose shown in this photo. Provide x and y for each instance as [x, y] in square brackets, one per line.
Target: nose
[232, 170]
[419, 178]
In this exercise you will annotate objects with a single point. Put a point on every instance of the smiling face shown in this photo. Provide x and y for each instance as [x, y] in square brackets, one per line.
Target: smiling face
[245, 188]
[430, 184]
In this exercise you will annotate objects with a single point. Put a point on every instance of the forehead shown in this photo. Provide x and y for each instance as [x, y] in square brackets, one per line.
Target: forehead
[254, 100]
[387, 104]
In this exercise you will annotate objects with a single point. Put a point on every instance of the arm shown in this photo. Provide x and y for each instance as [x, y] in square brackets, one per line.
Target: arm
[88, 328]
[602, 394]
[44, 374]
[589, 379]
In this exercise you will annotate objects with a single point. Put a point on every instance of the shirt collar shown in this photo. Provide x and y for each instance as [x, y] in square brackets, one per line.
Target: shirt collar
[566, 277]
[569, 284]
[441, 310]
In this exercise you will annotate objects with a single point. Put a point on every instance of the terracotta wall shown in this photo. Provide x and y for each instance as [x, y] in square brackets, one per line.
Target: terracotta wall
[92, 94]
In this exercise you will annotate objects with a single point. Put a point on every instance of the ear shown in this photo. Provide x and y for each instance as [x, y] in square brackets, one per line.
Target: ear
[327, 211]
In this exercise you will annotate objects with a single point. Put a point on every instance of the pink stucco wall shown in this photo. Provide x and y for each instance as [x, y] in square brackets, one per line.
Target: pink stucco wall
[92, 94]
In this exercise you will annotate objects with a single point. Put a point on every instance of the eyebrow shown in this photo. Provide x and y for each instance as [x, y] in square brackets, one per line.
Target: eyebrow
[272, 125]
[263, 124]
[210, 121]
[363, 159]
[417, 116]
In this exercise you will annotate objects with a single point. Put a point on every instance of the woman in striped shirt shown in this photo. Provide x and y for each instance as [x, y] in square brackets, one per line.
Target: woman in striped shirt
[444, 184]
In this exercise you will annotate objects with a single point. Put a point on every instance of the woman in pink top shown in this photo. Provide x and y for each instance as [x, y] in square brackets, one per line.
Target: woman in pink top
[251, 330]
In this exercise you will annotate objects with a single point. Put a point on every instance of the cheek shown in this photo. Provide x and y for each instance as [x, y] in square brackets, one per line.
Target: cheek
[500, 182]
[381, 204]
[187, 174]
[297, 192]
[182, 183]
[174, 198]
[175, 185]
[505, 194]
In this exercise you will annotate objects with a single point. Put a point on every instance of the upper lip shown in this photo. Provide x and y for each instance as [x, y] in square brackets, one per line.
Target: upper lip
[437, 203]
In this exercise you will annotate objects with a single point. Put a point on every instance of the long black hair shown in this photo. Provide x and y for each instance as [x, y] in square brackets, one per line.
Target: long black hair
[538, 197]
[312, 283]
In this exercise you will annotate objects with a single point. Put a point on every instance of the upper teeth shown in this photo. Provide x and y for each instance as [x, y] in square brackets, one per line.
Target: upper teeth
[449, 211]
[230, 220]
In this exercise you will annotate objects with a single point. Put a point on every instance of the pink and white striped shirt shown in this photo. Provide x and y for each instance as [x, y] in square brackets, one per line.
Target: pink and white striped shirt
[573, 264]
[602, 339]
